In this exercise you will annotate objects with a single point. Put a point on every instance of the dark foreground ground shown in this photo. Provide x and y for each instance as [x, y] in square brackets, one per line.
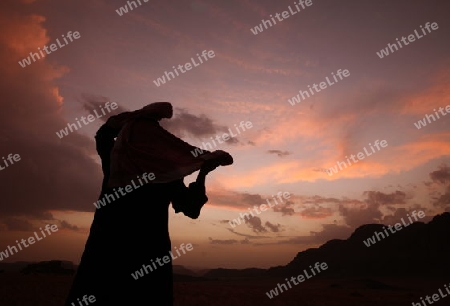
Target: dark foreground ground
[49, 290]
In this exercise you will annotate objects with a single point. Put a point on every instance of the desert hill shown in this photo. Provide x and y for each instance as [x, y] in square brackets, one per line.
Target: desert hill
[418, 249]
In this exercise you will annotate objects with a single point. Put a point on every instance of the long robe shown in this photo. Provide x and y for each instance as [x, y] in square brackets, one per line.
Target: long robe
[127, 234]
[132, 230]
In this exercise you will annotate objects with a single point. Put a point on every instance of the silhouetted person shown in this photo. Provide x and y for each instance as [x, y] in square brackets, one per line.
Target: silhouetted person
[132, 230]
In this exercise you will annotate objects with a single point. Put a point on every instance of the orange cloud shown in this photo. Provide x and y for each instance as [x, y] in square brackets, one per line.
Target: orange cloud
[393, 160]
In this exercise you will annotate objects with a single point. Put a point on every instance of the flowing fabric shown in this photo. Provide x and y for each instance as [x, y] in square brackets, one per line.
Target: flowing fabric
[143, 146]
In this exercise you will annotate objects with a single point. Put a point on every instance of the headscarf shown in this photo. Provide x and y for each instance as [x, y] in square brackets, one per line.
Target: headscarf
[143, 146]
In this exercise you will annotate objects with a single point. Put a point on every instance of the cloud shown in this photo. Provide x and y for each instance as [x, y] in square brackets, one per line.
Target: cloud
[226, 241]
[247, 235]
[255, 224]
[252, 199]
[53, 173]
[365, 214]
[225, 197]
[442, 175]
[377, 197]
[279, 153]
[402, 213]
[332, 231]
[274, 228]
[317, 200]
[93, 103]
[201, 126]
[66, 225]
[245, 241]
[443, 200]
[16, 224]
[286, 210]
[234, 199]
[316, 212]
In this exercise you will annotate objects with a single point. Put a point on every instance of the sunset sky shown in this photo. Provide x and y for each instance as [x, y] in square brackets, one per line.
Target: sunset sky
[117, 58]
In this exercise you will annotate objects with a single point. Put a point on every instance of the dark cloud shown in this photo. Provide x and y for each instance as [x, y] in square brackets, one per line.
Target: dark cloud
[332, 231]
[245, 241]
[443, 200]
[227, 198]
[247, 235]
[93, 103]
[252, 199]
[402, 212]
[201, 127]
[377, 197]
[218, 241]
[316, 212]
[442, 175]
[66, 225]
[286, 210]
[365, 214]
[255, 224]
[273, 227]
[16, 224]
[235, 199]
[53, 173]
[41, 216]
[279, 153]
[317, 200]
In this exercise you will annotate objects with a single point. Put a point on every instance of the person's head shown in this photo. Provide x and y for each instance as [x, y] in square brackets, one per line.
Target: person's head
[153, 111]
[158, 110]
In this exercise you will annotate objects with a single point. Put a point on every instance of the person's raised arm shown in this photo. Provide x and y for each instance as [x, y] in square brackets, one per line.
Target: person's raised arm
[190, 200]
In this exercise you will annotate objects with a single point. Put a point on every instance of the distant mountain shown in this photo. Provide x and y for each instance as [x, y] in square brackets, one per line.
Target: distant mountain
[180, 270]
[14, 266]
[416, 250]
[50, 267]
[188, 278]
[233, 273]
